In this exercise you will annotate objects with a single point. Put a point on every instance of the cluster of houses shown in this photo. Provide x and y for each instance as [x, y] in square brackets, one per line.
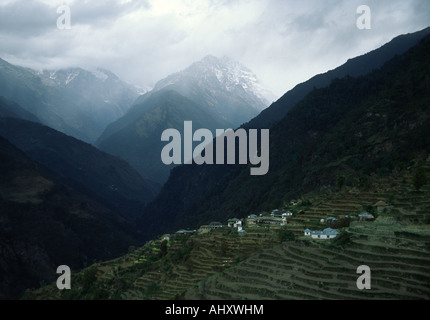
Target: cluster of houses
[364, 216]
[279, 218]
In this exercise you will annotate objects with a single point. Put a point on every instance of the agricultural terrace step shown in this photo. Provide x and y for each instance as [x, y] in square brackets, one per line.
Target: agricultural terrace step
[264, 290]
[291, 256]
[392, 251]
[384, 264]
[310, 282]
[398, 263]
[279, 273]
[388, 236]
[370, 294]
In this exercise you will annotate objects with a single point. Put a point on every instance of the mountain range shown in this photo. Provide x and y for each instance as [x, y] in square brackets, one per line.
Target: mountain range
[74, 101]
[214, 93]
[63, 201]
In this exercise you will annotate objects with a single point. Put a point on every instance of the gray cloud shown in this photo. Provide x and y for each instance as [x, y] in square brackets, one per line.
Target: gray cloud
[283, 42]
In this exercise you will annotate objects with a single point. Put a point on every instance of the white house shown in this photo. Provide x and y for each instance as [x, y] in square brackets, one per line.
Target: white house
[330, 219]
[234, 222]
[284, 221]
[327, 233]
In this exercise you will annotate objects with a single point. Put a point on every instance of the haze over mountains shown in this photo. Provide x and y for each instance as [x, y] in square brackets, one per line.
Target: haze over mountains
[74, 101]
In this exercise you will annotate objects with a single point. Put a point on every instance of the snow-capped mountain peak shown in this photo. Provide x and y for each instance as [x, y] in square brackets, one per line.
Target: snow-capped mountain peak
[222, 72]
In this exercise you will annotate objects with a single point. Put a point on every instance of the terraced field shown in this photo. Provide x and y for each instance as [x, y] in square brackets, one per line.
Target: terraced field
[322, 271]
[144, 274]
[396, 247]
[211, 254]
[256, 265]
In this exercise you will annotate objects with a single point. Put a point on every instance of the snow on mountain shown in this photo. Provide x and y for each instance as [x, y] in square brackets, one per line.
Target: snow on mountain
[87, 100]
[99, 74]
[222, 72]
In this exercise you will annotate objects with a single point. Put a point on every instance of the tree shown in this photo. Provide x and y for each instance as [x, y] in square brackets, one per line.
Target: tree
[163, 248]
[224, 248]
[340, 181]
[89, 278]
[285, 235]
[420, 178]
[342, 240]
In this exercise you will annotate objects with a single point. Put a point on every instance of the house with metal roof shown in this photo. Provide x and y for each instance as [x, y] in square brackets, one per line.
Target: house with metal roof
[185, 231]
[215, 225]
[234, 222]
[327, 233]
[365, 216]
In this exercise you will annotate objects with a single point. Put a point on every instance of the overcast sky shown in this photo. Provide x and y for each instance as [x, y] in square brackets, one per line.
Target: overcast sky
[284, 42]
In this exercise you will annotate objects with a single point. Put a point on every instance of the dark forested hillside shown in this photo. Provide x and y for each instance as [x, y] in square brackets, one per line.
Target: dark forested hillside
[111, 179]
[10, 109]
[353, 67]
[336, 135]
[46, 222]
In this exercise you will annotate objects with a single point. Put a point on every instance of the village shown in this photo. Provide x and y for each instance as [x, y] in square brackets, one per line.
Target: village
[279, 218]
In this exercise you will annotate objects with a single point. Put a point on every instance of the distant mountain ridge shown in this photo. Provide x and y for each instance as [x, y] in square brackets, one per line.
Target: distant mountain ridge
[74, 101]
[222, 85]
[213, 93]
[136, 137]
[229, 73]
